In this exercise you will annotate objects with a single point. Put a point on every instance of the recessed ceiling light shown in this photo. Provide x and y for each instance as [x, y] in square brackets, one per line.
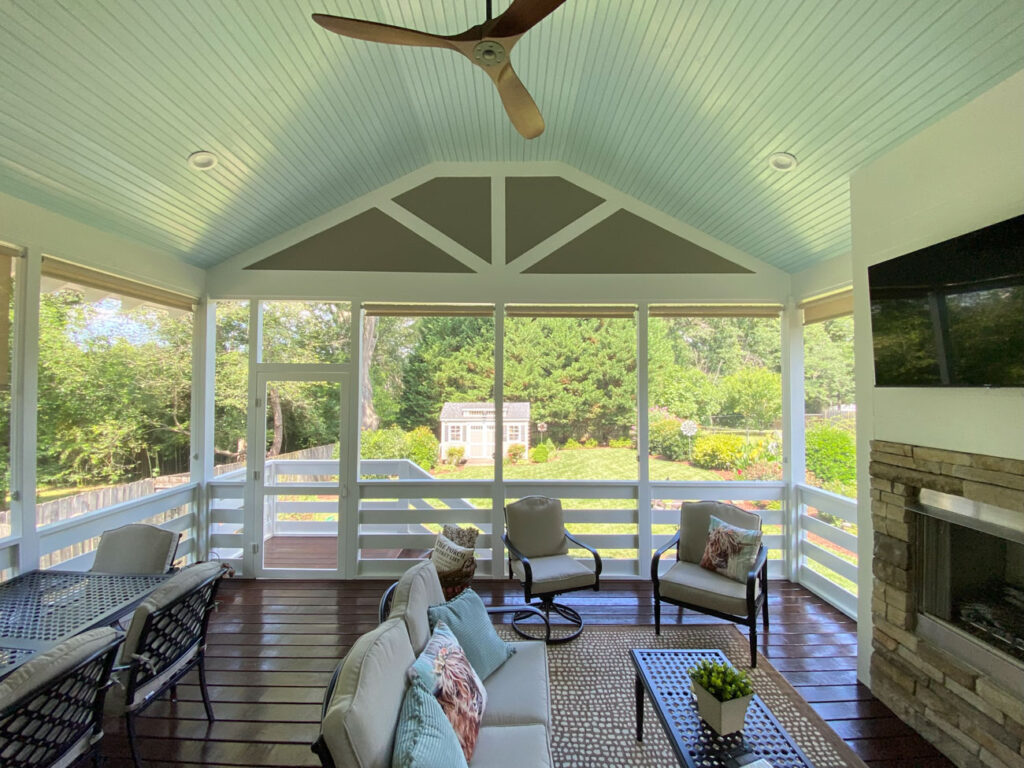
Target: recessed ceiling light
[782, 161]
[202, 160]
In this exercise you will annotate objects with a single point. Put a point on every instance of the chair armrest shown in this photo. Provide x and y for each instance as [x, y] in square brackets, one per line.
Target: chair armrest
[590, 549]
[384, 609]
[496, 609]
[527, 568]
[760, 565]
[674, 541]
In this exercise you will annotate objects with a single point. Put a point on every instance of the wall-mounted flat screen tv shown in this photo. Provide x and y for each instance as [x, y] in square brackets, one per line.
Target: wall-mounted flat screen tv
[952, 314]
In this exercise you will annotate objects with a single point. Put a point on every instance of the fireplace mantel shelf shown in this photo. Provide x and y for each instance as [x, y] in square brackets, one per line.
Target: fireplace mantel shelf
[987, 518]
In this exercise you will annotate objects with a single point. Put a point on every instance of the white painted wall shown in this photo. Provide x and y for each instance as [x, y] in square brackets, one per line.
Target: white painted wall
[963, 173]
[41, 231]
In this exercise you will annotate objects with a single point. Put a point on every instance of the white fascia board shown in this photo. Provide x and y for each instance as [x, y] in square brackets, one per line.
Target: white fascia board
[53, 234]
[824, 277]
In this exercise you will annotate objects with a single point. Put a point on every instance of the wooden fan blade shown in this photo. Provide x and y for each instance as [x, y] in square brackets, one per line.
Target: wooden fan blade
[520, 16]
[376, 32]
[520, 106]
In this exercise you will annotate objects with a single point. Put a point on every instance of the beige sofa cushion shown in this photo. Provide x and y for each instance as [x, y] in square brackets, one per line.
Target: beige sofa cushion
[517, 691]
[418, 589]
[535, 526]
[512, 746]
[689, 583]
[555, 574]
[361, 718]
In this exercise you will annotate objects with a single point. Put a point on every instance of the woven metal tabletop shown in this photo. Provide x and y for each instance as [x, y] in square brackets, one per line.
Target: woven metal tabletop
[665, 677]
[41, 608]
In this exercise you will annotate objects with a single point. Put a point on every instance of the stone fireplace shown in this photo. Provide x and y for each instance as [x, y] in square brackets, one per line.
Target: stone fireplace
[948, 644]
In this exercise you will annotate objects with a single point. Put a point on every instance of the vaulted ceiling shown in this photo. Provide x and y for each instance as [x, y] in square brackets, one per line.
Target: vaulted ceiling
[677, 103]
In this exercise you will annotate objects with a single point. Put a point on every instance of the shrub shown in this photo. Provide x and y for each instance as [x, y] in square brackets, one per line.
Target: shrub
[591, 442]
[423, 447]
[540, 454]
[571, 445]
[516, 452]
[455, 454]
[718, 450]
[667, 440]
[390, 443]
[831, 454]
[623, 442]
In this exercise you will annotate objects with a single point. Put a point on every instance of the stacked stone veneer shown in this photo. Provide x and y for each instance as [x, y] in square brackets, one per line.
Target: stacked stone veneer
[973, 719]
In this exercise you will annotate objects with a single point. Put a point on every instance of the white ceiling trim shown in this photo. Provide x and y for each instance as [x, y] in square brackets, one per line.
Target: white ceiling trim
[432, 235]
[565, 235]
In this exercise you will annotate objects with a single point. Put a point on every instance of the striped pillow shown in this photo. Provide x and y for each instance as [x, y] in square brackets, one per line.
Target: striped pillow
[424, 737]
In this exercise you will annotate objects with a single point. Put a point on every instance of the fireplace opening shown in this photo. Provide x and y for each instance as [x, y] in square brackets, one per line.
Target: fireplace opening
[975, 581]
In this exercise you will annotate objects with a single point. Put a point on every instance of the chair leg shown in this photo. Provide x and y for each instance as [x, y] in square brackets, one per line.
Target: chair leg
[202, 687]
[764, 609]
[753, 642]
[657, 615]
[129, 722]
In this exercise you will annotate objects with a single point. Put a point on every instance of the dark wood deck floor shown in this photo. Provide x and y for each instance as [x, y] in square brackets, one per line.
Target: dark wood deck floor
[274, 644]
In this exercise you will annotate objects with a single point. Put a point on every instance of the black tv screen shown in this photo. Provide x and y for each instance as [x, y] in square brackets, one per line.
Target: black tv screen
[952, 314]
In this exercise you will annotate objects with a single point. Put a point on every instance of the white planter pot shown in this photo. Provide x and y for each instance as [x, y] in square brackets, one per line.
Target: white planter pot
[723, 716]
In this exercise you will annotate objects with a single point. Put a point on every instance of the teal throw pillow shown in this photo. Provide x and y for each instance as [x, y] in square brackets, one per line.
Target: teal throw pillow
[424, 737]
[469, 621]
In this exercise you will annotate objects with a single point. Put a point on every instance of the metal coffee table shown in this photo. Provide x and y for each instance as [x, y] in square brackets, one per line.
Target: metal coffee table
[663, 674]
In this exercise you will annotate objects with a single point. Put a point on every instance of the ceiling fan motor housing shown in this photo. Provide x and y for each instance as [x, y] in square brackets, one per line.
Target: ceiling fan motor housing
[489, 53]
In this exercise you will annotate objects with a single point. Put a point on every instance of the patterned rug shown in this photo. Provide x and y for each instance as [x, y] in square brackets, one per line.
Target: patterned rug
[593, 704]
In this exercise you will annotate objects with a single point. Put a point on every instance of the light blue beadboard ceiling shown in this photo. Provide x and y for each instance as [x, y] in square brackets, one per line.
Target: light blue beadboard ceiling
[675, 102]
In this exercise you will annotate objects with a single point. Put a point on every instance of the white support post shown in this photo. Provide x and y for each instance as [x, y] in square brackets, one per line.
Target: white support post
[498, 499]
[792, 430]
[254, 446]
[204, 354]
[644, 513]
[24, 402]
[349, 470]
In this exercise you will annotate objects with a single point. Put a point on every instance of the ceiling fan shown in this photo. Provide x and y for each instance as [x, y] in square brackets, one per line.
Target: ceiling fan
[487, 45]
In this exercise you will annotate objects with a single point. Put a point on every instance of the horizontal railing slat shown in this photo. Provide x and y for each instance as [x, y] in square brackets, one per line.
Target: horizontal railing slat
[829, 591]
[829, 532]
[820, 555]
[690, 490]
[833, 503]
[421, 516]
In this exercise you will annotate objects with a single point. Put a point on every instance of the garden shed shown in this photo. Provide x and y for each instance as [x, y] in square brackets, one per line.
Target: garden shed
[471, 426]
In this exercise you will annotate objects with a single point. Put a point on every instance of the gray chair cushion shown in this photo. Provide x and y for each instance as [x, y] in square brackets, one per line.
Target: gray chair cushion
[695, 519]
[362, 715]
[517, 691]
[689, 583]
[535, 526]
[512, 746]
[555, 574]
[136, 548]
[166, 593]
[418, 589]
[50, 665]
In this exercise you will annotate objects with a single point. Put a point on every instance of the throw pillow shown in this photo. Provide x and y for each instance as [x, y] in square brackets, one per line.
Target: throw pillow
[424, 738]
[464, 537]
[468, 619]
[446, 672]
[730, 551]
[448, 556]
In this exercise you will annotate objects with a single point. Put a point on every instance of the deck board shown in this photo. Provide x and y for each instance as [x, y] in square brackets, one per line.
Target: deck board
[274, 644]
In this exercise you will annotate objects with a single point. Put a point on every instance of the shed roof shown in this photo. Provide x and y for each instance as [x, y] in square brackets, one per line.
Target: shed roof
[510, 411]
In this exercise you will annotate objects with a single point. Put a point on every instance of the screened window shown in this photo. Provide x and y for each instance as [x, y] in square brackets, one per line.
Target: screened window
[306, 331]
[8, 257]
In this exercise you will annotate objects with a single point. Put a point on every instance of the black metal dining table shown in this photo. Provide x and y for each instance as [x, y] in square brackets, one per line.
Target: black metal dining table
[40, 609]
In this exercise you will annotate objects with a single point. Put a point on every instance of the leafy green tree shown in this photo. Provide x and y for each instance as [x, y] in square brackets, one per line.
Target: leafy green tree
[753, 398]
[828, 364]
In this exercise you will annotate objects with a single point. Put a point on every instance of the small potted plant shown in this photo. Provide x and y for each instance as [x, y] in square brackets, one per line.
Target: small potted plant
[723, 694]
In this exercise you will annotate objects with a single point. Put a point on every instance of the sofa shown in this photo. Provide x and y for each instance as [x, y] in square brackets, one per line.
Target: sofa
[363, 700]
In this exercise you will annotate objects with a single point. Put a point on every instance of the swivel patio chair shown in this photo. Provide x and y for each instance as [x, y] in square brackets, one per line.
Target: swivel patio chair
[51, 707]
[136, 548]
[538, 546]
[689, 585]
[166, 640]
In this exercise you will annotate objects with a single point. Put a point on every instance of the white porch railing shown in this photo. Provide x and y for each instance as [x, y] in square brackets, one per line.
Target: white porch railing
[827, 563]
[71, 543]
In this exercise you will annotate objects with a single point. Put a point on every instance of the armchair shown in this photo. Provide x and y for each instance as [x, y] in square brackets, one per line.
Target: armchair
[538, 546]
[688, 585]
[136, 548]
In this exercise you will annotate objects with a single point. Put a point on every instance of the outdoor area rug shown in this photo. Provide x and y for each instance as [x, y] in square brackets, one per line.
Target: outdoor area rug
[593, 704]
